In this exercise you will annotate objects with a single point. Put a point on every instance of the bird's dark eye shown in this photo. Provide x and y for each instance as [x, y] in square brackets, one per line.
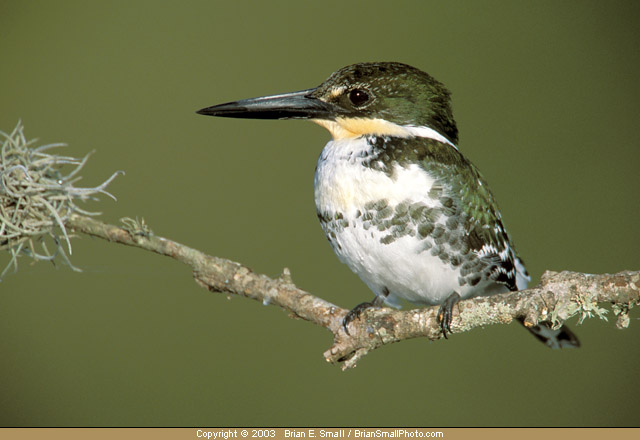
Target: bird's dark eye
[358, 97]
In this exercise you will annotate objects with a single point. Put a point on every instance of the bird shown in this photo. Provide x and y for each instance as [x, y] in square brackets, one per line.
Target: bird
[399, 203]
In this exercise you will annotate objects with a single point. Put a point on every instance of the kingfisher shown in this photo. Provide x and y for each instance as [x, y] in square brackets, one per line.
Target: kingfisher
[400, 204]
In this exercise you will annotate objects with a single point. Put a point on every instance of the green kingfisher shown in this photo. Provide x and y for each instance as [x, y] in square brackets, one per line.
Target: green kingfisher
[397, 200]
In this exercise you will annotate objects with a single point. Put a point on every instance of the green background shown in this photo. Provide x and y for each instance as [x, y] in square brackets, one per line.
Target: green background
[546, 98]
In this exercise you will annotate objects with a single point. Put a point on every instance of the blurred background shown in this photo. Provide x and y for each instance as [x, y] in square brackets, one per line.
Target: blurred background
[546, 97]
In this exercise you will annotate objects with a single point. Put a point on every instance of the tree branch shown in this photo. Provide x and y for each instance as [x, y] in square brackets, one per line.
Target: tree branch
[558, 297]
[38, 204]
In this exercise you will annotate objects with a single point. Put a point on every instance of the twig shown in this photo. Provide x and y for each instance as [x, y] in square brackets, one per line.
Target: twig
[558, 297]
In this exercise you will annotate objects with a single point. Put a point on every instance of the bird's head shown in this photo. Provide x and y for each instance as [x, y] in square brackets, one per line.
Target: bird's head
[366, 98]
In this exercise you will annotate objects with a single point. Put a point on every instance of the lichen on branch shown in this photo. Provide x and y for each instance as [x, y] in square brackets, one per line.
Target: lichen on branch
[559, 297]
[37, 196]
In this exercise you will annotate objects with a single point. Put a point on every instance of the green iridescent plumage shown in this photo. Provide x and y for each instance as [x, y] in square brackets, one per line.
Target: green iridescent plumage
[462, 193]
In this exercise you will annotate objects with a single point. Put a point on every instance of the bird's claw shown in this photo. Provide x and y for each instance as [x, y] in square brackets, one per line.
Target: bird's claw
[445, 313]
[357, 311]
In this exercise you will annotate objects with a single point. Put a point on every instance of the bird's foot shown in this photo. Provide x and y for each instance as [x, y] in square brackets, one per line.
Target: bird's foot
[445, 313]
[359, 309]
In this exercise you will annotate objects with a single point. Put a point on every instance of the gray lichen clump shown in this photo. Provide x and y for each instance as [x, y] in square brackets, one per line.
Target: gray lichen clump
[37, 196]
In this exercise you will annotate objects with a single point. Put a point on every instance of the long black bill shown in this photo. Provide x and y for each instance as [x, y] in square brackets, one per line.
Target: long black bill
[299, 105]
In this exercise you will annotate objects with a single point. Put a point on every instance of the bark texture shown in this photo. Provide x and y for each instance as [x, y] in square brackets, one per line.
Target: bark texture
[558, 297]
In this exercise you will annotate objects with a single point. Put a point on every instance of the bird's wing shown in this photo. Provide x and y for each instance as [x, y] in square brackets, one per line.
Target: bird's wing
[464, 191]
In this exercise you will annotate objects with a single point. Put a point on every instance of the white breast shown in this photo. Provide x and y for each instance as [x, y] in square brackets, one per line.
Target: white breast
[343, 185]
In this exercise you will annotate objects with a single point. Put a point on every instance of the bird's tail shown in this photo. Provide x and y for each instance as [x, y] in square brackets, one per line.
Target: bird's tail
[560, 338]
